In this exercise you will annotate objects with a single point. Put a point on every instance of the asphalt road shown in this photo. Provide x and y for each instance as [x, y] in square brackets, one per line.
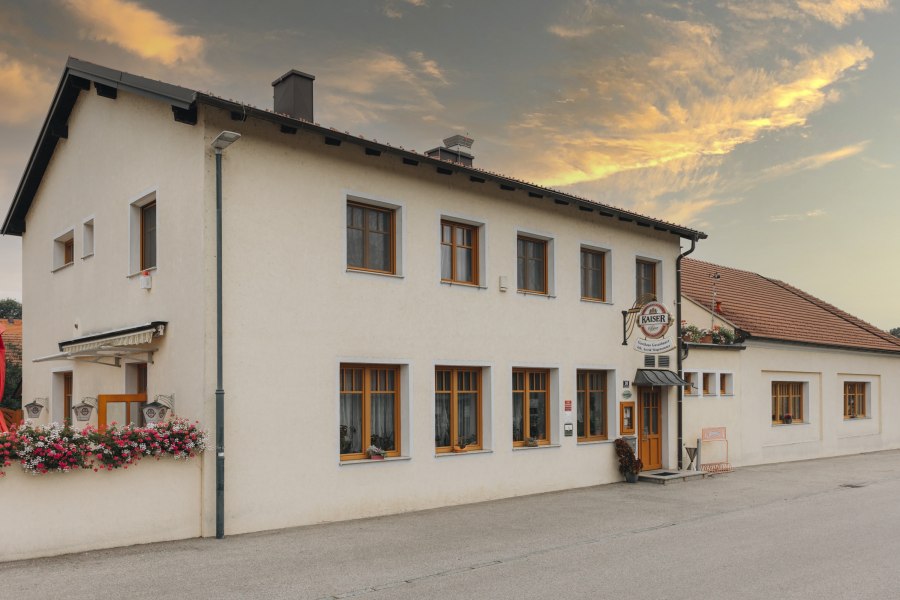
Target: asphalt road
[817, 529]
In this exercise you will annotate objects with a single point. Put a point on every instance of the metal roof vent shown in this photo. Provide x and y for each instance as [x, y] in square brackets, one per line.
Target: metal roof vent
[294, 95]
[452, 150]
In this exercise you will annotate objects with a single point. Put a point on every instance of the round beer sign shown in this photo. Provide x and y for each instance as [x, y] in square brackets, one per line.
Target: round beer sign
[654, 320]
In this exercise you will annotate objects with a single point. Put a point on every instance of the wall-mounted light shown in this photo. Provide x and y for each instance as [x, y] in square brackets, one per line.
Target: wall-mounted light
[156, 411]
[33, 409]
[83, 410]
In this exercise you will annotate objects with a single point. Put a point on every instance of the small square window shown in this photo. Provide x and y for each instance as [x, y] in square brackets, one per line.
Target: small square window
[855, 400]
[691, 378]
[788, 399]
[64, 250]
[709, 384]
[87, 239]
[726, 384]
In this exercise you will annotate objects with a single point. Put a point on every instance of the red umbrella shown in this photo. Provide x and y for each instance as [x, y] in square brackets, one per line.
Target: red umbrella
[2, 377]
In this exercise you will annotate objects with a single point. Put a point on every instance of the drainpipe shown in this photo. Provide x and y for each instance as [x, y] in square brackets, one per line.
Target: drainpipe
[222, 141]
[679, 358]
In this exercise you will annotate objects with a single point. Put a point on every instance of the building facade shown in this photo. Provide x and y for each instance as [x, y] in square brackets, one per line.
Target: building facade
[466, 325]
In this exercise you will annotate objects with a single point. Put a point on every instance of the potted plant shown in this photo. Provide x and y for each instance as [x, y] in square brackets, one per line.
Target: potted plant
[706, 336]
[531, 442]
[690, 333]
[629, 465]
[787, 418]
[375, 453]
[460, 445]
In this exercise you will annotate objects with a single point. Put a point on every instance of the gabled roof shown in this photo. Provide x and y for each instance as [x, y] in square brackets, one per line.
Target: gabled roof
[79, 75]
[770, 309]
[11, 332]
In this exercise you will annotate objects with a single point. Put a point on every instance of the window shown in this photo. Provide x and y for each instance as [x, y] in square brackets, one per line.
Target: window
[709, 384]
[87, 238]
[855, 400]
[532, 265]
[67, 397]
[646, 279]
[148, 235]
[726, 384]
[459, 253]
[531, 406]
[691, 378]
[457, 408]
[787, 401]
[591, 395]
[370, 410]
[593, 275]
[64, 250]
[370, 238]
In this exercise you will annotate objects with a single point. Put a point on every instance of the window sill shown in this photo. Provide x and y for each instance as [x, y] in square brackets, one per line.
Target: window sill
[594, 442]
[446, 454]
[61, 267]
[376, 273]
[133, 275]
[535, 294]
[857, 418]
[595, 301]
[87, 256]
[790, 424]
[540, 447]
[473, 286]
[367, 461]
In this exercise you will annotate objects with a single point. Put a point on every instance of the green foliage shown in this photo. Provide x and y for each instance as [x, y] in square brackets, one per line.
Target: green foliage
[628, 463]
[10, 308]
[12, 391]
[895, 332]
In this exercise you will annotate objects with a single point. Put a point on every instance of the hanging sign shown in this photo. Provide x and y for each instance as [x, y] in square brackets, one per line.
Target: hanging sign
[654, 321]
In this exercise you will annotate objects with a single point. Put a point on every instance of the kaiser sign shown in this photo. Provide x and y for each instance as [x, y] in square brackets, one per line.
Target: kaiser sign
[654, 321]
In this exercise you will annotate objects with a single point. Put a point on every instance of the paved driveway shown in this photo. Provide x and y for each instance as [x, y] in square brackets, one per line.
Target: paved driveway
[818, 529]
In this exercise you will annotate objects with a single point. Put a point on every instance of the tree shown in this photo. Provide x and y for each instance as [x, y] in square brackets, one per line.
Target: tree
[10, 308]
[895, 331]
[12, 392]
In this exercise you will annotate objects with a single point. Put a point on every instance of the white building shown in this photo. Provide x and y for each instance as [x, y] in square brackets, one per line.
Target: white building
[806, 379]
[371, 295]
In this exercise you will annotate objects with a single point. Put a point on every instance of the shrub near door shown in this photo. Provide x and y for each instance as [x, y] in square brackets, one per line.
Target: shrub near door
[629, 465]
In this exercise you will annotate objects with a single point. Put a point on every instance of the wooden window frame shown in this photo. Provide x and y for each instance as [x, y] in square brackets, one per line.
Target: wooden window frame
[622, 429]
[68, 386]
[692, 389]
[708, 384]
[69, 251]
[859, 390]
[526, 422]
[546, 278]
[453, 225]
[104, 400]
[723, 384]
[366, 433]
[392, 212]
[579, 390]
[454, 406]
[638, 278]
[143, 232]
[789, 390]
[602, 271]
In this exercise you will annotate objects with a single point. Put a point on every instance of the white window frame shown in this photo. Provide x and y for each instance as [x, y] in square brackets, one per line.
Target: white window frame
[58, 254]
[729, 383]
[87, 238]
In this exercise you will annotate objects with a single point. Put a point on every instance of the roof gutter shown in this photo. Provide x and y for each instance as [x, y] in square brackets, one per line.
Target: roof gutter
[682, 348]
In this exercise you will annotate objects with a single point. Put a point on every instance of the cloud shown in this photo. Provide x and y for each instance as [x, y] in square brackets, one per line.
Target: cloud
[812, 214]
[25, 91]
[811, 163]
[136, 29]
[393, 8]
[582, 20]
[379, 83]
[837, 13]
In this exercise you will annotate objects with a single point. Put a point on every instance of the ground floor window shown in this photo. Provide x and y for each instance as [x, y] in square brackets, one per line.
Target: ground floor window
[67, 397]
[591, 393]
[531, 407]
[370, 410]
[855, 400]
[787, 401]
[457, 408]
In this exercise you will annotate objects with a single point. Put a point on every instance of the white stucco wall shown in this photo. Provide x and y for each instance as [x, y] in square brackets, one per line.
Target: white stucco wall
[294, 313]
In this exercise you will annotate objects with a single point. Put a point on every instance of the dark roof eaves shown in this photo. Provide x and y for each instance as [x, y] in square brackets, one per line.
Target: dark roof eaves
[868, 349]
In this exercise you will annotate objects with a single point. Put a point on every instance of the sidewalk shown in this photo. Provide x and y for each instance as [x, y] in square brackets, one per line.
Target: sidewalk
[782, 531]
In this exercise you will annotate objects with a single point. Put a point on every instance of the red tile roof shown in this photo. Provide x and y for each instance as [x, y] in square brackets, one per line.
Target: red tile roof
[772, 309]
[12, 336]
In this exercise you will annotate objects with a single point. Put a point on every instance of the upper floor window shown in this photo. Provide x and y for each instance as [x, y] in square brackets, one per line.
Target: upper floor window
[371, 236]
[691, 378]
[645, 278]
[593, 274]
[148, 235]
[457, 408]
[709, 384]
[532, 265]
[64, 250]
[459, 253]
[87, 238]
[591, 394]
[787, 401]
[855, 400]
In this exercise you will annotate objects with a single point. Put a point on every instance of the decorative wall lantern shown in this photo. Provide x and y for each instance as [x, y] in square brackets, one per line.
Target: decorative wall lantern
[85, 408]
[157, 410]
[33, 409]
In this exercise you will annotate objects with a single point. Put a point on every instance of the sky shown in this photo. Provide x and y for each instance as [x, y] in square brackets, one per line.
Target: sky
[773, 126]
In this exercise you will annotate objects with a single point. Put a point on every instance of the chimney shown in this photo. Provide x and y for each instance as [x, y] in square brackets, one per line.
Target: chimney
[294, 95]
[719, 306]
[452, 150]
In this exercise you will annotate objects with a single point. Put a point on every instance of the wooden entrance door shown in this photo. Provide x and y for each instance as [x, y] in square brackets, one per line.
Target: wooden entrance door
[650, 439]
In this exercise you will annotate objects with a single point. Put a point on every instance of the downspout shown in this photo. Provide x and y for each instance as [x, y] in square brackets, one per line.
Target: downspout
[679, 359]
[220, 392]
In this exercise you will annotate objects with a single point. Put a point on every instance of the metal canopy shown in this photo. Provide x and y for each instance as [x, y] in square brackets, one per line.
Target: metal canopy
[112, 356]
[658, 378]
[113, 347]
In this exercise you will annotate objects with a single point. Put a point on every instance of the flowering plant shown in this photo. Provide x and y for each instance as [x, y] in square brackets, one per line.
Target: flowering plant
[55, 447]
[7, 441]
[374, 450]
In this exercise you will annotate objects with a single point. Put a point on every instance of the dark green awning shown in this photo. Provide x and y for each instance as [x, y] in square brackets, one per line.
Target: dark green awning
[658, 378]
